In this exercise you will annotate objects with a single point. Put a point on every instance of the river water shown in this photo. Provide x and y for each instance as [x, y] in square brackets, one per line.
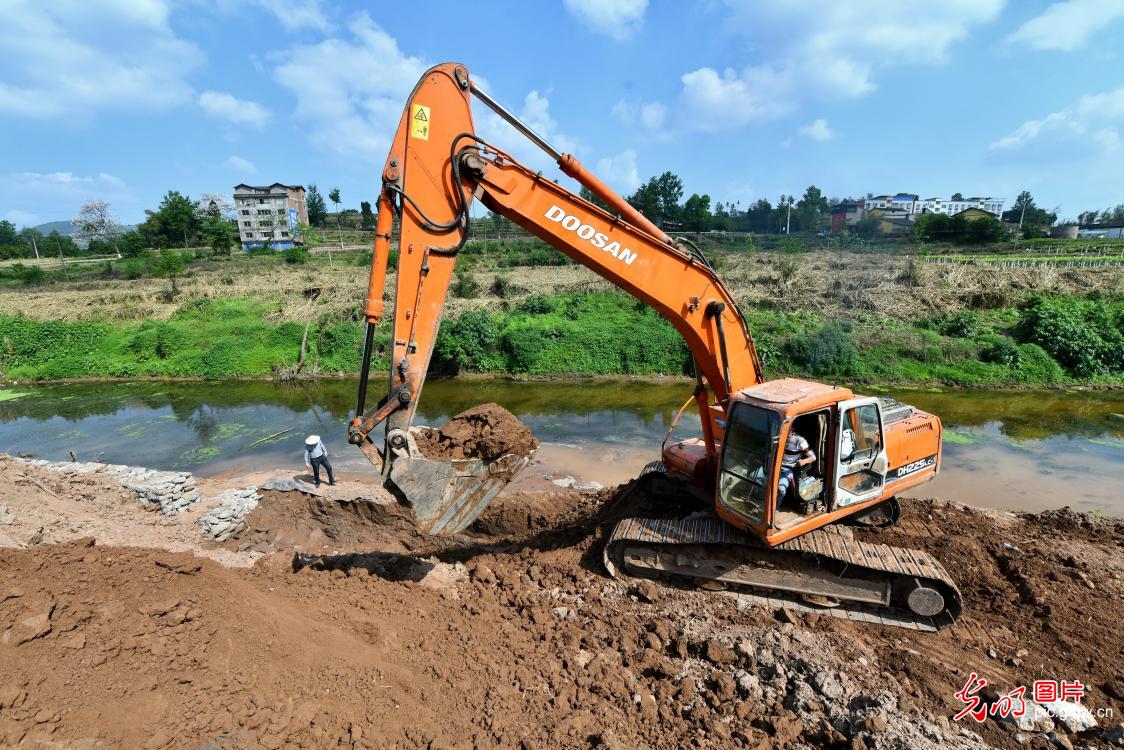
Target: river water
[1014, 451]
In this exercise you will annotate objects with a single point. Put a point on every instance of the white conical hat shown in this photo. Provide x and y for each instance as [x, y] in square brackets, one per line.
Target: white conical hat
[312, 440]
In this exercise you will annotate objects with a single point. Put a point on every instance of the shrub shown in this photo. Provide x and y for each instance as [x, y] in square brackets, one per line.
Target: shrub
[463, 343]
[296, 256]
[29, 274]
[1038, 367]
[466, 286]
[134, 269]
[1001, 350]
[829, 351]
[537, 305]
[1082, 336]
[501, 286]
[962, 325]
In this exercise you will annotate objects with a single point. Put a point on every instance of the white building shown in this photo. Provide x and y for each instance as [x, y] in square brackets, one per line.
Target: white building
[269, 213]
[912, 204]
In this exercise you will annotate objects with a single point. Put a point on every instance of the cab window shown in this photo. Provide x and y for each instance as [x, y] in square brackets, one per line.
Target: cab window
[746, 457]
[860, 434]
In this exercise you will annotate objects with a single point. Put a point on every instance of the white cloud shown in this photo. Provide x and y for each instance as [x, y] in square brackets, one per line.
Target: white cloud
[714, 102]
[293, 15]
[817, 130]
[34, 197]
[236, 111]
[1066, 26]
[350, 92]
[1094, 119]
[70, 58]
[298, 15]
[620, 171]
[619, 19]
[240, 165]
[650, 116]
[356, 116]
[821, 48]
[36, 180]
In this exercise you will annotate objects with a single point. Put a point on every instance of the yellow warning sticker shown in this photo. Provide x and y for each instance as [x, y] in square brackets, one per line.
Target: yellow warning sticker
[419, 122]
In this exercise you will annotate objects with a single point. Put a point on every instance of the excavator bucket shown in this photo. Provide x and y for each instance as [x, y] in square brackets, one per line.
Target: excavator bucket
[446, 495]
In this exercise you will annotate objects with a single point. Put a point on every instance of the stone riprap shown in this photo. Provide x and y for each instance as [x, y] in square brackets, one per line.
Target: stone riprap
[172, 491]
[228, 518]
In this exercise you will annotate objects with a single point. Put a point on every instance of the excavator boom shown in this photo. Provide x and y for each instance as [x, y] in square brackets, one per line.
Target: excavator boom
[436, 167]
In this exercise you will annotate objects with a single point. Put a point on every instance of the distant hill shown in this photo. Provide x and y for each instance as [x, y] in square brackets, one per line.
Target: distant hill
[65, 228]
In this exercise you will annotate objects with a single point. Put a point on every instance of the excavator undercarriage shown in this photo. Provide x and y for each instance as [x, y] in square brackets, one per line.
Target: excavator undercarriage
[896, 586]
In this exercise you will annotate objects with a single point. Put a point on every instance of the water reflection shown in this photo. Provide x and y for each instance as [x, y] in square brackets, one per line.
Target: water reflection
[1011, 450]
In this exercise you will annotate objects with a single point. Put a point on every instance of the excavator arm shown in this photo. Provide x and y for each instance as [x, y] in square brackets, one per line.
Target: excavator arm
[437, 166]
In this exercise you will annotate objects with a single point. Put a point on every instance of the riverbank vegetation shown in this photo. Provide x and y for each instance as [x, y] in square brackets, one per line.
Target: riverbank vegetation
[522, 308]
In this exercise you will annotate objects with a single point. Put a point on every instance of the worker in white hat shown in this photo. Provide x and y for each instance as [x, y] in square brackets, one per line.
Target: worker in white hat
[315, 456]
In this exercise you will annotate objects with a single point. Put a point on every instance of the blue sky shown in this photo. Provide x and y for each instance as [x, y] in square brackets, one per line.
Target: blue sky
[125, 99]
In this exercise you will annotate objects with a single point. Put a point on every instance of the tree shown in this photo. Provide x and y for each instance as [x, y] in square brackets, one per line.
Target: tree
[214, 205]
[132, 244]
[658, 198]
[317, 210]
[957, 197]
[696, 213]
[32, 237]
[169, 264]
[367, 220]
[646, 201]
[8, 233]
[178, 217]
[1030, 217]
[669, 189]
[1113, 215]
[809, 208]
[760, 216]
[784, 213]
[95, 222]
[220, 234]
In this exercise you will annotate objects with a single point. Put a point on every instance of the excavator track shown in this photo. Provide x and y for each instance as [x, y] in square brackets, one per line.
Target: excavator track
[872, 583]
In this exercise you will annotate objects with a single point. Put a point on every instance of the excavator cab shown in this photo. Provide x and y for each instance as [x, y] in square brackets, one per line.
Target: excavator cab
[846, 435]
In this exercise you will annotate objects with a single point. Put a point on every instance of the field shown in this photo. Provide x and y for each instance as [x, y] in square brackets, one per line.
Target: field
[875, 317]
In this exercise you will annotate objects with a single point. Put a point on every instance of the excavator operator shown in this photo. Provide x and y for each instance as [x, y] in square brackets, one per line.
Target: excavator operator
[797, 452]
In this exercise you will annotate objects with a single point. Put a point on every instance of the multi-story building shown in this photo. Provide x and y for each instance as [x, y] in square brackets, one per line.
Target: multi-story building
[271, 214]
[913, 205]
[846, 215]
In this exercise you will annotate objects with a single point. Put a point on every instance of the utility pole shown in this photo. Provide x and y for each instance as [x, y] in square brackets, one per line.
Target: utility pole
[65, 272]
[788, 218]
[34, 246]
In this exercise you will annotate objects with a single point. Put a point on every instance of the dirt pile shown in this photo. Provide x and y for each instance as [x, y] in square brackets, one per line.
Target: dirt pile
[487, 431]
[356, 631]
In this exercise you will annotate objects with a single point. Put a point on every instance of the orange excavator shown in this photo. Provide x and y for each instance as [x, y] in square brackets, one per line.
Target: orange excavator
[774, 527]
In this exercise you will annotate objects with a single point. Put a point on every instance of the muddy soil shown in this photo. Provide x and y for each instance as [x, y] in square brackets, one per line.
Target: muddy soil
[355, 631]
[486, 431]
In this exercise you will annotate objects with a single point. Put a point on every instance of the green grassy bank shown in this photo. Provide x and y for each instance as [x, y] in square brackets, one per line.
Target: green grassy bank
[1050, 342]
